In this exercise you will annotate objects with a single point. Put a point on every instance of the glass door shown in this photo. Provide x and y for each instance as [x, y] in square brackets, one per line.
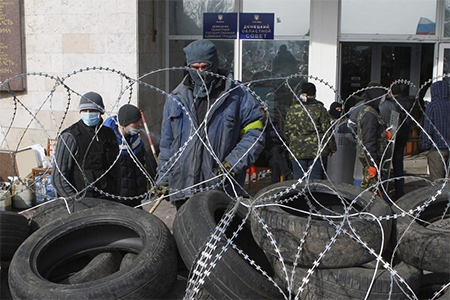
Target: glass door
[385, 63]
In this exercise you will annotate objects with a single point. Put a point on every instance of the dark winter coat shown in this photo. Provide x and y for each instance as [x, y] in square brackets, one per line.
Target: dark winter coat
[135, 165]
[83, 157]
[371, 132]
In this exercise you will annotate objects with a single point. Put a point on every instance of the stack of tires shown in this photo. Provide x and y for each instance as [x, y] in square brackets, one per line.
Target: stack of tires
[325, 240]
[14, 230]
[309, 241]
[102, 250]
[423, 237]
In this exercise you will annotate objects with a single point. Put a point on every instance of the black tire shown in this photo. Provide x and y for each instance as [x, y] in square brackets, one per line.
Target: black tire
[424, 242]
[58, 208]
[287, 226]
[102, 265]
[431, 285]
[350, 283]
[127, 260]
[232, 277]
[14, 230]
[5, 293]
[103, 228]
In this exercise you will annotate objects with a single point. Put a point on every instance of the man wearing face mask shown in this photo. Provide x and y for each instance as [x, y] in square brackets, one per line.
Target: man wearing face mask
[308, 134]
[210, 127]
[84, 154]
[136, 168]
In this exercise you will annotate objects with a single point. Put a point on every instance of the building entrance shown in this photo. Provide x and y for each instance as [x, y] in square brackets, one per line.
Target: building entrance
[385, 63]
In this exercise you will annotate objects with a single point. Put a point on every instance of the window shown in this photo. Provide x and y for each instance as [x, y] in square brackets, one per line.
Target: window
[389, 17]
[187, 15]
[291, 16]
[447, 19]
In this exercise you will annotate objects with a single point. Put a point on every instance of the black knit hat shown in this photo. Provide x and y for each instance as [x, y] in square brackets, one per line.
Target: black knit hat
[92, 100]
[309, 89]
[128, 114]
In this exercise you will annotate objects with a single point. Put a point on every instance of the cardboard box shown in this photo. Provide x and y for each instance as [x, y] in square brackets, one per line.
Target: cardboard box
[25, 162]
[17, 163]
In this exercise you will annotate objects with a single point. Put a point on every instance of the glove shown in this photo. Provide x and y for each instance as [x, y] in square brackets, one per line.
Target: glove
[227, 166]
[388, 135]
[372, 172]
[161, 190]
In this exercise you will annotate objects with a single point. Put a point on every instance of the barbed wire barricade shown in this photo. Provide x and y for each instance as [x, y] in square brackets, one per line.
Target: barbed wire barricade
[296, 275]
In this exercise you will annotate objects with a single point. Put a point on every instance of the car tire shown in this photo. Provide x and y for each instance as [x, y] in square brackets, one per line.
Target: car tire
[276, 218]
[14, 230]
[424, 239]
[232, 277]
[350, 283]
[59, 207]
[102, 228]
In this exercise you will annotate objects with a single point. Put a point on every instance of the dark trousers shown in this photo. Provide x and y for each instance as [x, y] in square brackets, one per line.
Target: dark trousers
[397, 164]
[278, 164]
[303, 166]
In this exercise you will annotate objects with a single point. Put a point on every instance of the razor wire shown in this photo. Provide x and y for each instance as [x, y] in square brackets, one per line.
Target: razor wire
[206, 261]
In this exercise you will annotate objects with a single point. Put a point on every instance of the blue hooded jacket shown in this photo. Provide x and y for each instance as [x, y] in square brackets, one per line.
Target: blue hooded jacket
[437, 118]
[133, 181]
[191, 151]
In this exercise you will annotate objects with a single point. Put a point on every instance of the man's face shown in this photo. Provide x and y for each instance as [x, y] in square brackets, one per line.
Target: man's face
[199, 66]
[136, 125]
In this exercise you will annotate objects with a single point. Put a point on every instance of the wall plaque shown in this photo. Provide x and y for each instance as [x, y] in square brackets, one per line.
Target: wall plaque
[11, 44]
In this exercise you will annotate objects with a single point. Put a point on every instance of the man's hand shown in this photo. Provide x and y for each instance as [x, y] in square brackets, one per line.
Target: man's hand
[161, 190]
[227, 166]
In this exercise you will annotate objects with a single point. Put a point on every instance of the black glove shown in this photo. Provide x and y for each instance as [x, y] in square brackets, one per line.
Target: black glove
[161, 190]
[226, 167]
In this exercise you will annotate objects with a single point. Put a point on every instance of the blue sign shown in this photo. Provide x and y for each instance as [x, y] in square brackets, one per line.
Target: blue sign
[256, 26]
[219, 26]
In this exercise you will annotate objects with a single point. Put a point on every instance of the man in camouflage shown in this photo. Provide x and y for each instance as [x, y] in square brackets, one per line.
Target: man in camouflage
[308, 134]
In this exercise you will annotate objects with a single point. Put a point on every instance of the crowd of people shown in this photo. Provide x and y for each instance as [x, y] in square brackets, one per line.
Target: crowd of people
[213, 130]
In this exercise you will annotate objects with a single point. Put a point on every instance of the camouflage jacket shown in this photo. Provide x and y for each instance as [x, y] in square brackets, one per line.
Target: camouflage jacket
[308, 130]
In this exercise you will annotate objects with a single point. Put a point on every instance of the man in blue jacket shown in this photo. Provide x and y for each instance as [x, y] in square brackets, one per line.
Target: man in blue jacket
[436, 135]
[135, 166]
[211, 130]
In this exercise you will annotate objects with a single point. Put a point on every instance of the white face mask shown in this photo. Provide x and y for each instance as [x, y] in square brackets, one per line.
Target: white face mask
[132, 131]
[90, 118]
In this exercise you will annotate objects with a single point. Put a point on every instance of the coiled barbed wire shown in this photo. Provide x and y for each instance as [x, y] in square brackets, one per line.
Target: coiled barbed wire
[205, 263]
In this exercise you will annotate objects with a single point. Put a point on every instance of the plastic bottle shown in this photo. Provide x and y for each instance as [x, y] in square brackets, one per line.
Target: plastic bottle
[40, 190]
[50, 190]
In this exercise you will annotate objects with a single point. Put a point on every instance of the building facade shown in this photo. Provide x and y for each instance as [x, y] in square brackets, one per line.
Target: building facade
[129, 51]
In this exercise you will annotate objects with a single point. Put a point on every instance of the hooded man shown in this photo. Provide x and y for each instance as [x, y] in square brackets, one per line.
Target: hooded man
[371, 133]
[84, 154]
[210, 126]
[436, 135]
